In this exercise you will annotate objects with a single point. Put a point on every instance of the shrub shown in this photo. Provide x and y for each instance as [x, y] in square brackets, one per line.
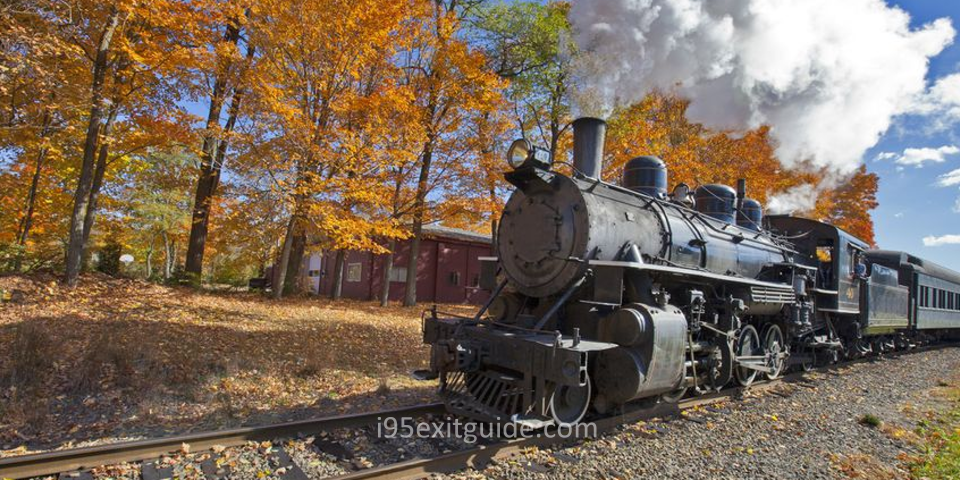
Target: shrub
[870, 420]
[31, 355]
[109, 259]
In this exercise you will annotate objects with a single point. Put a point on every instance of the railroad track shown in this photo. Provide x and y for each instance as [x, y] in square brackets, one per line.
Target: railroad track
[73, 460]
[75, 463]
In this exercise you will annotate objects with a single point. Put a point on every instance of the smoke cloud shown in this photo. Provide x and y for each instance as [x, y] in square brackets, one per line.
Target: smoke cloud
[801, 198]
[828, 76]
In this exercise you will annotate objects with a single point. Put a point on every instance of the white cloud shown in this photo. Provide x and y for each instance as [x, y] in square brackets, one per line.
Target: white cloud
[828, 76]
[949, 179]
[898, 215]
[941, 103]
[932, 241]
[916, 157]
[956, 206]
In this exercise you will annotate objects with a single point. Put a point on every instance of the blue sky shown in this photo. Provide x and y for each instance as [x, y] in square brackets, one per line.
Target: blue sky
[912, 205]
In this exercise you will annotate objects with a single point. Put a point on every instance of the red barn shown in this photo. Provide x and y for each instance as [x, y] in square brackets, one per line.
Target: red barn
[448, 269]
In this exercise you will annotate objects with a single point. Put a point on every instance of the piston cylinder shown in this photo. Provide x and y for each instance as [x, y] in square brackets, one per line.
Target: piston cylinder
[650, 358]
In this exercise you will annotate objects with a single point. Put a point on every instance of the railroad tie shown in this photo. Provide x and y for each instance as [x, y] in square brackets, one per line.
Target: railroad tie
[81, 475]
[211, 471]
[291, 470]
[150, 470]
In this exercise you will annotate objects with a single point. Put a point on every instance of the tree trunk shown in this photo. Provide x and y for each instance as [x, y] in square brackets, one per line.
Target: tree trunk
[81, 197]
[337, 291]
[98, 174]
[166, 256]
[149, 260]
[295, 264]
[171, 257]
[494, 226]
[26, 223]
[387, 273]
[410, 294]
[211, 162]
[280, 269]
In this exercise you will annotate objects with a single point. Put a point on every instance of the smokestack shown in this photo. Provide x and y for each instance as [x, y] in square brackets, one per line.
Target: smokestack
[588, 136]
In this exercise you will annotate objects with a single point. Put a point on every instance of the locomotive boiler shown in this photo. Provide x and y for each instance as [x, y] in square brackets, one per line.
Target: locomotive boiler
[605, 294]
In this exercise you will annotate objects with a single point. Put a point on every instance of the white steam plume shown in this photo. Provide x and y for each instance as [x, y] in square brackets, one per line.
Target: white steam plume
[828, 76]
[802, 198]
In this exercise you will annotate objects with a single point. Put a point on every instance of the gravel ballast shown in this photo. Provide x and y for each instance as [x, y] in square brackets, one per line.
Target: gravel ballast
[814, 428]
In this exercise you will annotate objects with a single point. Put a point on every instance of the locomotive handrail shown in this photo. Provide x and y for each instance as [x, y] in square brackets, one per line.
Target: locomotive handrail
[685, 272]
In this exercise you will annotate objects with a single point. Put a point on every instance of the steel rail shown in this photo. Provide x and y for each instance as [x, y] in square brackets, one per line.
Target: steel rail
[480, 455]
[60, 461]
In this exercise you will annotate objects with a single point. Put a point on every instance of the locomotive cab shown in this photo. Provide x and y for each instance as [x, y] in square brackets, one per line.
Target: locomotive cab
[833, 252]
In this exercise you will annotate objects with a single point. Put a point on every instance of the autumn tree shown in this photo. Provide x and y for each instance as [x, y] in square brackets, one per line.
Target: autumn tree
[530, 45]
[128, 47]
[452, 84]
[219, 73]
[156, 205]
[37, 113]
[321, 95]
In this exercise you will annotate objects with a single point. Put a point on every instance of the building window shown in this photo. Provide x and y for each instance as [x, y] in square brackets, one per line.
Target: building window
[398, 274]
[354, 272]
[475, 283]
[455, 278]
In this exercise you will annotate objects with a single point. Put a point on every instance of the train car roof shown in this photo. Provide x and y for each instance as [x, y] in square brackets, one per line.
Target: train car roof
[895, 259]
[803, 225]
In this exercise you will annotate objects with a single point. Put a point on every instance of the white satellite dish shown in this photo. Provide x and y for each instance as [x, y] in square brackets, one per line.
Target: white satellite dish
[126, 258]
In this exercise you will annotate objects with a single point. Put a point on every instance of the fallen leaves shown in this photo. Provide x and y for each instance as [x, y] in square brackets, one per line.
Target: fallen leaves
[164, 360]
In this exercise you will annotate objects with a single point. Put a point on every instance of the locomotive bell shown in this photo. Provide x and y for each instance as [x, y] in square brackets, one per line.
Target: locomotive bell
[646, 175]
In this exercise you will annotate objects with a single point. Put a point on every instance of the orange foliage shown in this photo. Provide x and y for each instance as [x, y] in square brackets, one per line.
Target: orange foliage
[848, 206]
[695, 155]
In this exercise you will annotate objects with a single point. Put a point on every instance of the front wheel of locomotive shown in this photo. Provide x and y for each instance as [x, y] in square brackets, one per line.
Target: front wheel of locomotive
[674, 396]
[776, 351]
[568, 405]
[748, 345]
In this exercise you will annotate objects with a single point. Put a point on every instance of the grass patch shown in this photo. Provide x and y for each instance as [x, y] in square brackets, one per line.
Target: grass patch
[941, 443]
[870, 420]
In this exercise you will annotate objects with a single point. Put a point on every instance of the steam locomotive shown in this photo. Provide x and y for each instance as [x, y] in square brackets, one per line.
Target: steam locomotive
[604, 294]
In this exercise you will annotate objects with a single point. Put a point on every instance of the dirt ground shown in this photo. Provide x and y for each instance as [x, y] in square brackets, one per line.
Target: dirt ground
[120, 359]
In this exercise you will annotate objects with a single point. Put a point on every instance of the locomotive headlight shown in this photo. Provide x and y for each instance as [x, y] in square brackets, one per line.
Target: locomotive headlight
[523, 153]
[519, 152]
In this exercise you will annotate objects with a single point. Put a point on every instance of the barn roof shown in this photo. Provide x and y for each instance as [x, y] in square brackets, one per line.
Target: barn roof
[439, 231]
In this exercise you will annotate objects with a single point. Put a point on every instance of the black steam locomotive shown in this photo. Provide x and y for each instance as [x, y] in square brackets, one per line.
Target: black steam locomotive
[606, 294]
